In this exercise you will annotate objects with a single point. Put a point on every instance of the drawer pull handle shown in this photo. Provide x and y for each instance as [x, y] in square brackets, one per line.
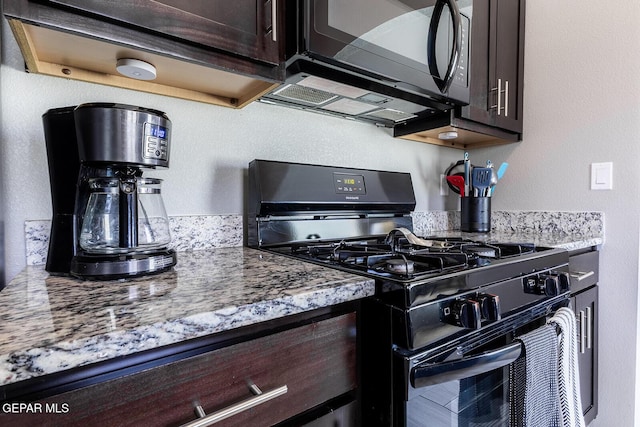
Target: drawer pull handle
[259, 398]
[580, 275]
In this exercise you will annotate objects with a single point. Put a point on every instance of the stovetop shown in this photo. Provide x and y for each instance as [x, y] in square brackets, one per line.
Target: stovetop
[401, 261]
[360, 221]
[408, 275]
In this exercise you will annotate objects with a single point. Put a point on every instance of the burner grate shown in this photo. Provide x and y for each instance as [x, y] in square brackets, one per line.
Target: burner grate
[403, 260]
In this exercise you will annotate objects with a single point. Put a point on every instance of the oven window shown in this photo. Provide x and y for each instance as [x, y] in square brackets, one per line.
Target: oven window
[482, 400]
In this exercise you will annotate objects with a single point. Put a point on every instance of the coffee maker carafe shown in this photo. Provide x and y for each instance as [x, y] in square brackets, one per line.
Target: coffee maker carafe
[115, 225]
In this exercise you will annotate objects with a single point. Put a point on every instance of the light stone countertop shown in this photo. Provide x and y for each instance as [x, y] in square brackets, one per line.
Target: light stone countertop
[50, 324]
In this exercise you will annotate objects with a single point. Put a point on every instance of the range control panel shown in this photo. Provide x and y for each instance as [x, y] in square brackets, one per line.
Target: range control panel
[349, 184]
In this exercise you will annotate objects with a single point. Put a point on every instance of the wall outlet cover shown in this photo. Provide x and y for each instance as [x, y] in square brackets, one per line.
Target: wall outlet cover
[444, 186]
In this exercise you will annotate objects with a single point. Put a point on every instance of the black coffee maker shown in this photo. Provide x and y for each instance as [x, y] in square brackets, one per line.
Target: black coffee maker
[109, 221]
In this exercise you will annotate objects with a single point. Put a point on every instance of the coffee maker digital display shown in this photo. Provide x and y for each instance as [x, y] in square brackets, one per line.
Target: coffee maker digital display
[114, 225]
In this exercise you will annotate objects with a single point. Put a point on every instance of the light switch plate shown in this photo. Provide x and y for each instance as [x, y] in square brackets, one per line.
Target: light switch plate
[602, 176]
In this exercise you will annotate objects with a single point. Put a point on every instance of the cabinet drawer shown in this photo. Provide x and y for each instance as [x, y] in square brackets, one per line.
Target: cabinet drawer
[584, 270]
[316, 362]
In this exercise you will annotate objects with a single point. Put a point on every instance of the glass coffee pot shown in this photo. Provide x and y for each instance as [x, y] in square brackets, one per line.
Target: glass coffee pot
[124, 214]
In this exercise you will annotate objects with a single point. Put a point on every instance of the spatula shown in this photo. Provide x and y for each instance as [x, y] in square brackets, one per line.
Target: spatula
[481, 181]
[458, 182]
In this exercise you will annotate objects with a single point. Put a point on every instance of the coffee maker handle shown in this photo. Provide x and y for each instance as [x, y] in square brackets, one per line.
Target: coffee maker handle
[128, 212]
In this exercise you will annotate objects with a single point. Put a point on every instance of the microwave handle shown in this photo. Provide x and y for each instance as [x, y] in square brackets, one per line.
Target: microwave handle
[428, 374]
[444, 83]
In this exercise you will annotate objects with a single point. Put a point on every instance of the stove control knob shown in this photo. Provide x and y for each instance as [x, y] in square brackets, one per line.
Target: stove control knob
[565, 281]
[550, 285]
[489, 306]
[465, 313]
[547, 284]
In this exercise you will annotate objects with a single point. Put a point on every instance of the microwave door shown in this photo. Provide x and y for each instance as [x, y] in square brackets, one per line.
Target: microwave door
[368, 33]
[444, 44]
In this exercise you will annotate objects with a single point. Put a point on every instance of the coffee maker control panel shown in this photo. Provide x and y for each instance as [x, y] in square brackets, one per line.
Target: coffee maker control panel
[156, 142]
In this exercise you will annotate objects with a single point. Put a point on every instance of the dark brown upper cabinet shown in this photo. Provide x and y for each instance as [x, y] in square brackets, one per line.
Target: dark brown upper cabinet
[494, 113]
[220, 52]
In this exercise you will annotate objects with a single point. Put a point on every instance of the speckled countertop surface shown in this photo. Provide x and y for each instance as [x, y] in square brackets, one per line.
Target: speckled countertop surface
[550, 240]
[50, 324]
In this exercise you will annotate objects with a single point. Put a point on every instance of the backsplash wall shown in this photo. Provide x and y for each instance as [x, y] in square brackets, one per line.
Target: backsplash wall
[197, 232]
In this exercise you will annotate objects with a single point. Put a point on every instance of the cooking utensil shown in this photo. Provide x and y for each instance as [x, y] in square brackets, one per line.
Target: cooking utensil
[502, 169]
[498, 177]
[458, 182]
[467, 176]
[494, 178]
[415, 240]
[480, 181]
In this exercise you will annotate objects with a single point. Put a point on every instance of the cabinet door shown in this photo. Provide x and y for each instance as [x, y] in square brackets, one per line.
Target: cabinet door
[506, 80]
[497, 44]
[243, 27]
[585, 305]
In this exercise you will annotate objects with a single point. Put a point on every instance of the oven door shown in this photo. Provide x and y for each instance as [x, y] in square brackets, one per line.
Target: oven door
[468, 392]
[466, 383]
[423, 43]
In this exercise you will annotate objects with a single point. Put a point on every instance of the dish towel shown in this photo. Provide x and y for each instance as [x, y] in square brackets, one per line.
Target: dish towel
[568, 375]
[533, 380]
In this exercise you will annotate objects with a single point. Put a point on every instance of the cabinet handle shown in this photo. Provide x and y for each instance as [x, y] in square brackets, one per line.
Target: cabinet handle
[582, 332]
[274, 20]
[589, 329]
[506, 98]
[499, 95]
[259, 398]
[581, 275]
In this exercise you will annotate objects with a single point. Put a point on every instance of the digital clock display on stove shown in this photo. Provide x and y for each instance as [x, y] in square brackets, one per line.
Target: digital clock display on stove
[349, 184]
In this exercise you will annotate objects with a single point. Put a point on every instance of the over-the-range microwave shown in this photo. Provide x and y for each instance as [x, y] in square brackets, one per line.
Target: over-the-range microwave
[382, 61]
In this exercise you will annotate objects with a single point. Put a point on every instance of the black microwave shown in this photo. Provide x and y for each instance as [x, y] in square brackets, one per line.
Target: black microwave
[385, 61]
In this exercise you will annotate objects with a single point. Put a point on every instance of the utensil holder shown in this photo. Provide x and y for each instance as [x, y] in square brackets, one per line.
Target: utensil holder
[475, 214]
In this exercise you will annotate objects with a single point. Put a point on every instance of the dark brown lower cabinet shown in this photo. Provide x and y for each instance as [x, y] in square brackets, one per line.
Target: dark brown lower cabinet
[584, 267]
[586, 308]
[303, 367]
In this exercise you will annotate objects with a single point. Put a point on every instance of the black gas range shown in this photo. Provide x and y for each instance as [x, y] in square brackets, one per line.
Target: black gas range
[446, 310]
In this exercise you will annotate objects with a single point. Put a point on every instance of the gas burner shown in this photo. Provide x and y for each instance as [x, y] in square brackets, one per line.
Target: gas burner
[401, 266]
[481, 251]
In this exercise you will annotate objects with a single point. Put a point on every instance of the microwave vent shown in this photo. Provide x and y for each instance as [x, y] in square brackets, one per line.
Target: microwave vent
[305, 94]
[394, 115]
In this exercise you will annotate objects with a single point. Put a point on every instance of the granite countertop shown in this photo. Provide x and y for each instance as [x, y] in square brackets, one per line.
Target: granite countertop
[50, 324]
[550, 240]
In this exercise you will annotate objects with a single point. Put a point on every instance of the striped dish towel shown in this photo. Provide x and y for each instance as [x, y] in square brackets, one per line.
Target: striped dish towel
[533, 380]
[568, 374]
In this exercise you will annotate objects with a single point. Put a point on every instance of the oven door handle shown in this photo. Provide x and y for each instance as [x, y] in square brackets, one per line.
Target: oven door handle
[436, 373]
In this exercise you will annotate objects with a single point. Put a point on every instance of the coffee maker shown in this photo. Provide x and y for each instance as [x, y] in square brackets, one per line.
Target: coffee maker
[109, 222]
